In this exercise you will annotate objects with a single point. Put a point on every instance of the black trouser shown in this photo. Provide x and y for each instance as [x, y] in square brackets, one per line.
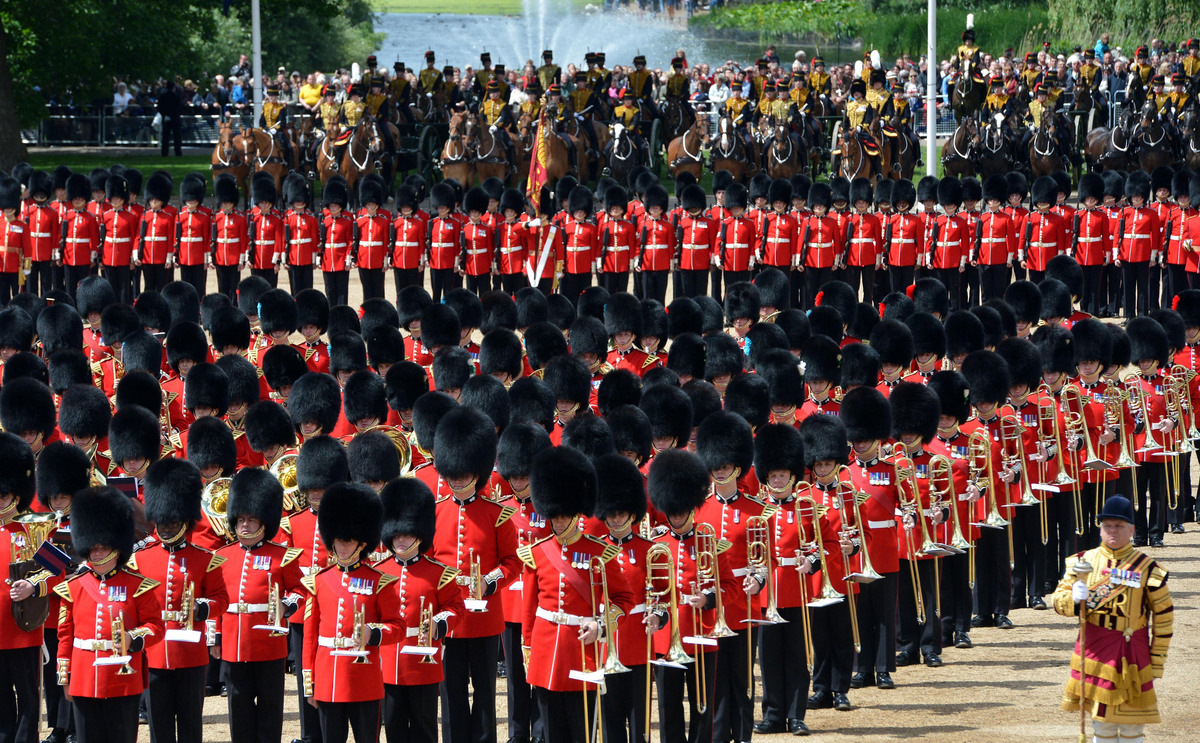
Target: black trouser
[693, 283]
[1091, 301]
[197, 276]
[59, 715]
[876, 604]
[733, 715]
[255, 695]
[1060, 526]
[1018, 272]
[467, 719]
[442, 280]
[1136, 277]
[571, 285]
[406, 277]
[902, 277]
[154, 277]
[1036, 276]
[175, 704]
[615, 281]
[372, 283]
[816, 278]
[863, 276]
[511, 283]
[562, 714]
[993, 576]
[117, 276]
[968, 287]
[268, 275]
[546, 286]
[833, 647]
[993, 280]
[733, 277]
[310, 721]
[524, 723]
[654, 285]
[339, 718]
[19, 694]
[410, 713]
[478, 285]
[337, 287]
[109, 720]
[796, 289]
[1150, 501]
[783, 664]
[1154, 289]
[1176, 282]
[40, 277]
[227, 281]
[950, 277]
[624, 705]
[883, 284]
[671, 683]
[300, 278]
[716, 285]
[1110, 288]
[915, 637]
[956, 594]
[1092, 501]
[1029, 554]
[72, 275]
[172, 129]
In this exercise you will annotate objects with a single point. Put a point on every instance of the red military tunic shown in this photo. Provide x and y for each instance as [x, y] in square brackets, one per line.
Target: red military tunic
[1138, 239]
[14, 537]
[728, 518]
[697, 241]
[618, 245]
[249, 574]
[877, 479]
[635, 360]
[372, 240]
[866, 240]
[631, 634]
[658, 244]
[80, 238]
[531, 526]
[1093, 238]
[995, 239]
[836, 565]
[230, 237]
[421, 582]
[44, 231]
[1043, 238]
[337, 233]
[512, 242]
[194, 233]
[785, 542]
[156, 240]
[580, 246]
[823, 240]
[736, 243]
[779, 240]
[443, 242]
[683, 556]
[174, 569]
[411, 241]
[301, 232]
[1177, 219]
[14, 237]
[1066, 213]
[90, 603]
[950, 242]
[120, 230]
[479, 244]
[907, 239]
[268, 243]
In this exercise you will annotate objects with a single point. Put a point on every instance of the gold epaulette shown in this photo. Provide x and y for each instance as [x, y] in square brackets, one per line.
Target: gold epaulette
[291, 554]
[768, 509]
[651, 359]
[610, 550]
[723, 545]
[525, 553]
[131, 565]
[448, 573]
[604, 369]
[145, 585]
[506, 513]
[216, 561]
[285, 524]
[309, 353]
[64, 590]
[310, 583]
[385, 580]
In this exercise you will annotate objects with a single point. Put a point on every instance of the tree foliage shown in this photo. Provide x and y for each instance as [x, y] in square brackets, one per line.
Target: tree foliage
[1131, 22]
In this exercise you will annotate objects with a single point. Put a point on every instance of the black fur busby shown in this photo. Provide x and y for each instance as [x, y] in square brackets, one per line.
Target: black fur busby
[207, 386]
[1017, 185]
[466, 306]
[866, 415]
[210, 443]
[315, 399]
[893, 341]
[512, 199]
[1093, 342]
[16, 329]
[517, 447]
[825, 321]
[930, 295]
[591, 302]
[1064, 268]
[748, 396]
[693, 198]
[532, 307]
[953, 394]
[630, 428]
[186, 341]
[1187, 304]
[1160, 178]
[411, 304]
[760, 187]
[773, 289]
[244, 387]
[972, 191]
[532, 400]
[335, 192]
[69, 366]
[1024, 362]
[277, 312]
[134, 433]
[589, 336]
[1044, 191]
[580, 199]
[896, 306]
[488, 395]
[465, 445]
[781, 371]
[903, 191]
[227, 192]
[706, 400]
[762, 337]
[723, 356]
[102, 517]
[883, 191]
[795, 326]
[736, 196]
[321, 464]
[62, 469]
[27, 406]
[409, 509]
[59, 326]
[684, 316]
[721, 180]
[1026, 301]
[822, 360]
[619, 387]
[92, 295]
[840, 186]
[499, 311]
[860, 366]
[621, 489]
[371, 192]
[295, 190]
[183, 301]
[1057, 348]
[17, 475]
[725, 438]
[84, 412]
[563, 483]
[343, 319]
[172, 489]
[153, 311]
[824, 438]
[255, 492]
[116, 322]
[543, 341]
[440, 327]
[210, 305]
[352, 512]
[927, 189]
[501, 352]
[26, 364]
[670, 412]
[373, 458]
[819, 195]
[1137, 184]
[929, 335]
[1091, 185]
[688, 356]
[778, 447]
[1180, 184]
[780, 190]
[678, 482]
[1056, 300]
[263, 188]
[404, 383]
[282, 366]
[995, 188]
[117, 188]
[1008, 316]
[78, 187]
[385, 347]
[569, 379]
[987, 374]
[141, 389]
[268, 425]
[841, 297]
[347, 353]
[451, 368]
[712, 315]
[1170, 321]
[623, 313]
[365, 398]
[915, 409]
[964, 333]
[865, 320]
[589, 434]
[860, 190]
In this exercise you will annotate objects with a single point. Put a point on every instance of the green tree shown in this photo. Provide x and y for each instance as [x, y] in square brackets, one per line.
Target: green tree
[1131, 22]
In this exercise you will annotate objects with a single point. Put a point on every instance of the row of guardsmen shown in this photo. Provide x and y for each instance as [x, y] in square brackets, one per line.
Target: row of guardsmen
[853, 488]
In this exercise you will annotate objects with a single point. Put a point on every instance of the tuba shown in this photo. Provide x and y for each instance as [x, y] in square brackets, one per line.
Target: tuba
[283, 469]
[400, 441]
[214, 502]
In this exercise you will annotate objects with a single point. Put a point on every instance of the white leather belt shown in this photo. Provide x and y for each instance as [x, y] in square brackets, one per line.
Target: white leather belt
[903, 240]
[502, 250]
[338, 643]
[578, 249]
[1042, 245]
[871, 240]
[654, 247]
[119, 239]
[994, 239]
[335, 246]
[47, 234]
[94, 645]
[370, 244]
[1137, 237]
[617, 248]
[476, 251]
[1090, 239]
[84, 239]
[443, 245]
[778, 240]
[561, 618]
[699, 246]
[226, 240]
[823, 245]
[739, 245]
[243, 608]
[950, 243]
[881, 524]
[182, 239]
[786, 561]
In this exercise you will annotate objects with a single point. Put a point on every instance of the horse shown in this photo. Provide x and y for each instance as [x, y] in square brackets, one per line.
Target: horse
[897, 153]
[811, 136]
[487, 151]
[306, 133]
[357, 160]
[958, 153]
[456, 155]
[1189, 134]
[624, 155]
[523, 147]
[992, 151]
[783, 158]
[968, 95]
[558, 157]
[673, 119]
[1107, 149]
[1044, 154]
[855, 161]
[685, 153]
[264, 153]
[589, 166]
[227, 157]
[326, 163]
[385, 162]
[1153, 147]
[729, 152]
[429, 109]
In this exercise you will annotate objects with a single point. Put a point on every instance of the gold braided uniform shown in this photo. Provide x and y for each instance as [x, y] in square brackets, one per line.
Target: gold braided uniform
[492, 111]
[1144, 71]
[329, 113]
[582, 100]
[1029, 77]
[353, 112]
[799, 96]
[547, 75]
[625, 115]
[856, 111]
[877, 99]
[1179, 100]
[1191, 65]
[271, 111]
[483, 77]
[1087, 74]
[639, 83]
[1052, 97]
[532, 106]
[374, 102]
[399, 87]
[779, 108]
[735, 107]
[902, 113]
[1036, 110]
[430, 80]
[818, 82]
[995, 103]
[677, 86]
[1161, 100]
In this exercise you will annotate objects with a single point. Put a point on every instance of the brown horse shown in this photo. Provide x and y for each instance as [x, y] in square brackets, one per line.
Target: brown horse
[958, 153]
[306, 132]
[1189, 135]
[428, 110]
[265, 154]
[729, 151]
[783, 157]
[589, 166]
[488, 154]
[558, 157]
[1153, 148]
[227, 157]
[686, 152]
[357, 159]
[897, 153]
[855, 161]
[523, 147]
[456, 154]
[1108, 149]
[326, 160]
[1044, 154]
[968, 95]
[385, 162]
[673, 119]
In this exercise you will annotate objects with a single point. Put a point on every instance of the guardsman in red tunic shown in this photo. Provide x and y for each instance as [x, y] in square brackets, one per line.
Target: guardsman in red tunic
[20, 647]
[725, 444]
[618, 242]
[478, 538]
[822, 372]
[1137, 245]
[678, 485]
[737, 238]
[1179, 262]
[580, 245]
[995, 240]
[14, 238]
[118, 235]
[512, 243]
[657, 253]
[372, 241]
[430, 607]
[301, 235]
[80, 243]
[443, 242]
[863, 252]
[1153, 426]
[262, 579]
[410, 245]
[1093, 354]
[822, 241]
[191, 590]
[574, 594]
[194, 235]
[1044, 235]
[351, 611]
[267, 246]
[696, 238]
[904, 236]
[109, 615]
[780, 230]
[337, 232]
[623, 321]
[950, 241]
[43, 219]
[230, 238]
[156, 239]
[479, 243]
[98, 204]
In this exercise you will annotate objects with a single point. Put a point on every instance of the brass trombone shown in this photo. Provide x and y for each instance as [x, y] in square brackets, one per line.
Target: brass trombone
[814, 544]
[758, 561]
[1179, 370]
[1063, 477]
[1076, 427]
[910, 506]
[660, 585]
[707, 572]
[594, 564]
[982, 473]
[1114, 418]
[868, 574]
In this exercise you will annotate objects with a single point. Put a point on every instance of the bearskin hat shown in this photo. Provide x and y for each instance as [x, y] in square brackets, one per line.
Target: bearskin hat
[186, 340]
[352, 512]
[277, 311]
[860, 366]
[532, 400]
[736, 196]
[1008, 317]
[16, 329]
[564, 187]
[262, 188]
[410, 303]
[532, 307]
[385, 347]
[116, 188]
[268, 425]
[315, 398]
[865, 320]
[693, 198]
[501, 352]
[619, 387]
[778, 447]
[343, 319]
[451, 368]
[69, 366]
[1026, 301]
[1064, 268]
[25, 364]
[987, 374]
[1194, 188]
[1044, 191]
[1057, 348]
[365, 397]
[373, 458]
[62, 469]
[725, 438]
[930, 295]
[678, 482]
[684, 316]
[742, 300]
[995, 187]
[207, 386]
[335, 192]
[866, 415]
[321, 464]
[824, 439]
[929, 335]
[466, 305]
[102, 517]
[210, 443]
[244, 387]
[84, 412]
[780, 189]
[893, 341]
[623, 313]
[569, 379]
[172, 489]
[581, 199]
[1091, 185]
[404, 383]
[630, 428]
[1056, 299]
[722, 356]
[1187, 304]
[27, 405]
[347, 352]
[883, 191]
[760, 187]
[78, 187]
[139, 388]
[860, 190]
[706, 400]
[825, 321]
[773, 288]
[134, 433]
[688, 356]
[915, 409]
[588, 335]
[517, 447]
[92, 295]
[295, 190]
[1093, 342]
[440, 327]
[1137, 184]
[153, 311]
[762, 337]
[721, 180]
[249, 291]
[1161, 177]
[822, 360]
[465, 445]
[193, 188]
[964, 333]
[589, 434]
[670, 412]
[896, 306]
[841, 297]
[953, 394]
[819, 195]
[1017, 184]
[116, 322]
[227, 192]
[1170, 321]
[59, 326]
[487, 394]
[282, 366]
[712, 315]
[1114, 184]
[927, 189]
[781, 371]
[563, 483]
[409, 509]
[512, 199]
[499, 311]
[748, 396]
[1024, 362]
[622, 489]
[255, 492]
[543, 341]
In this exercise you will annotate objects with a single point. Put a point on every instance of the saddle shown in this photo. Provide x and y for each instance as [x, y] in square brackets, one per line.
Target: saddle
[343, 137]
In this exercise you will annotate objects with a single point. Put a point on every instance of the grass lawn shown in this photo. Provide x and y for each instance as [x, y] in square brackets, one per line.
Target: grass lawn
[148, 163]
[475, 7]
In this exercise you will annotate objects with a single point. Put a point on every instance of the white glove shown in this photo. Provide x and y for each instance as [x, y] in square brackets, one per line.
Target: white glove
[56, 255]
[1079, 591]
[94, 256]
[429, 95]
[492, 128]
[534, 222]
[208, 260]
[579, 117]
[133, 257]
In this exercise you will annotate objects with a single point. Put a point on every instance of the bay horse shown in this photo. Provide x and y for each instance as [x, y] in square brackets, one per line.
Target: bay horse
[558, 158]
[992, 151]
[326, 161]
[1108, 149]
[729, 151]
[685, 153]
[897, 153]
[357, 158]
[1153, 148]
[456, 154]
[673, 119]
[429, 110]
[1189, 134]
[783, 157]
[523, 148]
[385, 162]
[305, 157]
[265, 154]
[958, 153]
[624, 155]
[488, 154]
[1044, 154]
[227, 157]
[855, 161]
[589, 166]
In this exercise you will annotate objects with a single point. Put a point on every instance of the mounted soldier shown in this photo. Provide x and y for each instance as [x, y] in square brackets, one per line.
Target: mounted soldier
[532, 107]
[378, 107]
[902, 116]
[678, 92]
[329, 111]
[857, 121]
[484, 75]
[1191, 63]
[549, 73]
[401, 92]
[1141, 65]
[1031, 73]
[499, 119]
[450, 91]
[274, 121]
[583, 107]
[372, 72]
[430, 80]
[1090, 75]
[968, 52]
[629, 115]
[351, 114]
[740, 111]
[641, 82]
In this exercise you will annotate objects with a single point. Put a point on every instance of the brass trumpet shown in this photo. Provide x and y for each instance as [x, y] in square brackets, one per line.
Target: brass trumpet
[120, 649]
[425, 632]
[360, 634]
[660, 594]
[475, 582]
